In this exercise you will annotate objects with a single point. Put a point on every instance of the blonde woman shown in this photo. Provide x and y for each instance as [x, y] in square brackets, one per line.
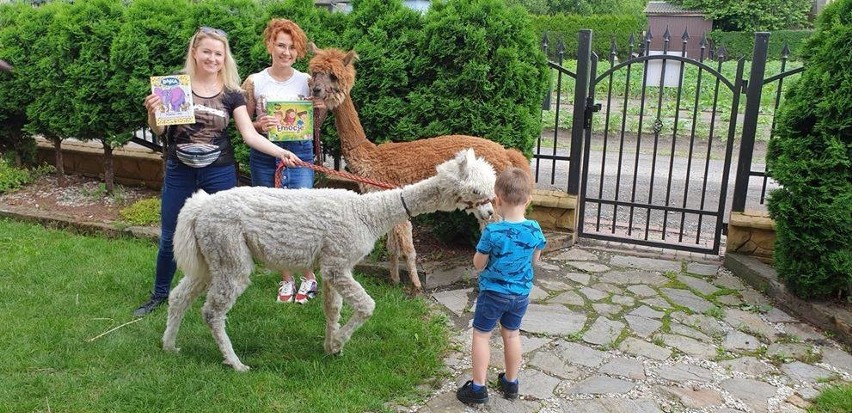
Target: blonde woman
[200, 155]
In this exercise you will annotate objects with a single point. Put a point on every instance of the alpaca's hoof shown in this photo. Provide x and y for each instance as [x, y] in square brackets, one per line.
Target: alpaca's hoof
[333, 347]
[171, 348]
[414, 292]
[240, 367]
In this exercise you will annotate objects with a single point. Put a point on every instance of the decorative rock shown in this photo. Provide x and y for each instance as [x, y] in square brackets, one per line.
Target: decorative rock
[643, 348]
[601, 385]
[552, 320]
[603, 332]
[687, 299]
[624, 367]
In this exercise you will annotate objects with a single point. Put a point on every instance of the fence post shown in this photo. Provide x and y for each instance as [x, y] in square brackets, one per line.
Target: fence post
[754, 90]
[581, 88]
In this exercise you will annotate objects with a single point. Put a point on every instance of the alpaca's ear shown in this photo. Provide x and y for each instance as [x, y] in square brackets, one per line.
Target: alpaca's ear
[466, 157]
[350, 58]
[313, 48]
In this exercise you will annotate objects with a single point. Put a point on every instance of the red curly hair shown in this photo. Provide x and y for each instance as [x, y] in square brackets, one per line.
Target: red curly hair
[300, 40]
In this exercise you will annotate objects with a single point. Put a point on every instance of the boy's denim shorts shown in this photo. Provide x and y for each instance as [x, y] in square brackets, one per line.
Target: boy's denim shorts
[491, 307]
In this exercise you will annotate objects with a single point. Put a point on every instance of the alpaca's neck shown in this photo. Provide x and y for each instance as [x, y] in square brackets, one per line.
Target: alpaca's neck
[384, 209]
[349, 129]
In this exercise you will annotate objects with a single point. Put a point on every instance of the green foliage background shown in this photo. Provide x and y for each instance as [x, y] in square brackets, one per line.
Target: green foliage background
[752, 15]
[811, 157]
[741, 44]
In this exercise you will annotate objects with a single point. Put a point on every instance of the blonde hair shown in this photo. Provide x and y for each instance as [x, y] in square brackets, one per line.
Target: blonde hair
[229, 75]
[513, 186]
[300, 40]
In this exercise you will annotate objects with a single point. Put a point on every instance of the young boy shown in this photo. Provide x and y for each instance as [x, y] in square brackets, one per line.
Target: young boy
[505, 254]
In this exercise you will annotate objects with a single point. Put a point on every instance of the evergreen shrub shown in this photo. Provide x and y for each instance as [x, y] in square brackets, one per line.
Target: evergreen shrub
[565, 27]
[811, 157]
[741, 44]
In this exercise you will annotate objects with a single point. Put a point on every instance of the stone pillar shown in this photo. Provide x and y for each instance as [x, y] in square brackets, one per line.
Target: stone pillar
[751, 233]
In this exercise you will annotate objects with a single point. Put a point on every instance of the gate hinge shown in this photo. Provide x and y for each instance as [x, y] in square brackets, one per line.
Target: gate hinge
[590, 108]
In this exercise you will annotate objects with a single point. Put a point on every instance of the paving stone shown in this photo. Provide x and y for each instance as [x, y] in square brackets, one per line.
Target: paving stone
[454, 300]
[689, 346]
[730, 281]
[642, 326]
[702, 269]
[607, 288]
[803, 331]
[687, 299]
[730, 300]
[750, 366]
[681, 372]
[497, 404]
[579, 354]
[552, 365]
[624, 367]
[649, 264]
[544, 265]
[644, 348]
[532, 343]
[623, 277]
[838, 359]
[754, 393]
[603, 331]
[593, 294]
[647, 312]
[698, 284]
[642, 290]
[552, 320]
[681, 329]
[750, 322]
[650, 278]
[737, 340]
[623, 300]
[553, 285]
[601, 385]
[568, 297]
[695, 397]
[706, 324]
[805, 373]
[592, 267]
[778, 316]
[611, 406]
[536, 383]
[754, 298]
[537, 294]
[443, 403]
[657, 302]
[788, 351]
[606, 309]
[579, 277]
[576, 254]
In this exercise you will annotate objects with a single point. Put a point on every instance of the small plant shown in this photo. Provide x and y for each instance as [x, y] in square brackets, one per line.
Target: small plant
[142, 212]
[715, 312]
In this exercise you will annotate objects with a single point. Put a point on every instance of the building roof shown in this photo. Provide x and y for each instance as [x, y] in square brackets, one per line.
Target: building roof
[664, 8]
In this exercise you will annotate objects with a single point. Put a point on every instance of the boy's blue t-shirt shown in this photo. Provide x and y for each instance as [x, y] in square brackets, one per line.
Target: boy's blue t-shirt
[510, 247]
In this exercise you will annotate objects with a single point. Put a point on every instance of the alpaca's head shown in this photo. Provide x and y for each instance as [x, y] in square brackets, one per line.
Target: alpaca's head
[332, 74]
[469, 184]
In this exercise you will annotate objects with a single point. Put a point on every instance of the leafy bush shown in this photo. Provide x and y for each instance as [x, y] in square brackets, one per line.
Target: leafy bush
[741, 44]
[564, 28]
[754, 15]
[142, 212]
[12, 178]
[811, 157]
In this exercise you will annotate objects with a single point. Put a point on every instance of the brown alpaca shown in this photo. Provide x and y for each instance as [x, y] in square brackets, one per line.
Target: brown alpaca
[399, 163]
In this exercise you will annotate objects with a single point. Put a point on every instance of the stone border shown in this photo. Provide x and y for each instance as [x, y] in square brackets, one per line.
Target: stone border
[762, 277]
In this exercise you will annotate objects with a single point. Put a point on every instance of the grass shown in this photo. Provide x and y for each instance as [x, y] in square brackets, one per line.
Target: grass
[61, 290]
[837, 399]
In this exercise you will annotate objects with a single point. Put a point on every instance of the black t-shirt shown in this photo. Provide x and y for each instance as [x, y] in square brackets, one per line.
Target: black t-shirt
[212, 115]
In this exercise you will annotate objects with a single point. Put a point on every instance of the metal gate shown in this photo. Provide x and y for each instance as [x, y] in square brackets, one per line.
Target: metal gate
[656, 149]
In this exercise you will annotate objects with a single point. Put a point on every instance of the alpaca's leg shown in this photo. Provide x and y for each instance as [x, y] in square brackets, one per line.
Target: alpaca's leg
[332, 303]
[406, 245]
[228, 283]
[362, 304]
[393, 254]
[180, 298]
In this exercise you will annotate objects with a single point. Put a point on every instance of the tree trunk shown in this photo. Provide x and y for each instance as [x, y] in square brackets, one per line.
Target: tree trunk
[109, 170]
[60, 163]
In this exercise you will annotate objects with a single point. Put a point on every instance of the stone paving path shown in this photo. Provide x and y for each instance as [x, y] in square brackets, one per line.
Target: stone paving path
[613, 333]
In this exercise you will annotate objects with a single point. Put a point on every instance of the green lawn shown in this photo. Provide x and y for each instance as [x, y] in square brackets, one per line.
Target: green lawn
[60, 290]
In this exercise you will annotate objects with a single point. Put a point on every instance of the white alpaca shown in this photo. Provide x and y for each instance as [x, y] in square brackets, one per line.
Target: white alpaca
[218, 236]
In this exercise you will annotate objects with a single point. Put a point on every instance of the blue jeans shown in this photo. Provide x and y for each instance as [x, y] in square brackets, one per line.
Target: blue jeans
[179, 183]
[492, 306]
[263, 166]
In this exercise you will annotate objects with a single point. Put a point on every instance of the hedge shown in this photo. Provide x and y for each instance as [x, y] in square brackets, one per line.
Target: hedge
[565, 27]
[811, 157]
[741, 44]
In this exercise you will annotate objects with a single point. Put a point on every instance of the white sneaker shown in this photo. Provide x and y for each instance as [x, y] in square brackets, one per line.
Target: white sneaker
[307, 290]
[285, 292]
